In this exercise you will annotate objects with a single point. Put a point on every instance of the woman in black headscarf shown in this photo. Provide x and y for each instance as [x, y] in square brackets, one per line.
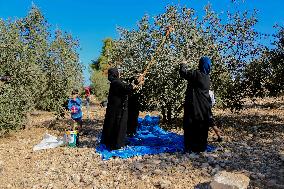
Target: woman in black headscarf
[196, 106]
[115, 123]
[133, 108]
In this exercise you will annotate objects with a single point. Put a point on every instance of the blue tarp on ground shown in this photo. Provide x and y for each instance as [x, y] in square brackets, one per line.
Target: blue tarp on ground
[150, 139]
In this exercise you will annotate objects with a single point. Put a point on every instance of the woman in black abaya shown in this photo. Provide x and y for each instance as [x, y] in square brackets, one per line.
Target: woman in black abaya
[115, 123]
[133, 109]
[196, 105]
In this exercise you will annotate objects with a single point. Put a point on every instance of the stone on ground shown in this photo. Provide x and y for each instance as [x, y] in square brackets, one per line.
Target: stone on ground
[227, 180]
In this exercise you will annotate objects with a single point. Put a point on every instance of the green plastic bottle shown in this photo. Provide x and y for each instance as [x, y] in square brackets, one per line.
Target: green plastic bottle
[72, 135]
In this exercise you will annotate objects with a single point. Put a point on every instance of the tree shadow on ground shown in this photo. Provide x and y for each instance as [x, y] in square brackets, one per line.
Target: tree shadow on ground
[277, 104]
[91, 133]
[251, 123]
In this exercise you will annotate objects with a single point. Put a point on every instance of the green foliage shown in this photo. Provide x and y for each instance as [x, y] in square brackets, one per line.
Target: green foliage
[238, 45]
[43, 70]
[264, 76]
[256, 76]
[230, 43]
[242, 66]
[64, 72]
[103, 62]
[275, 83]
[100, 85]
[99, 67]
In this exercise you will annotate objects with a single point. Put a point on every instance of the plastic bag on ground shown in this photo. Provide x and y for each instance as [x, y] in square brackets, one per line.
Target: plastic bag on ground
[47, 142]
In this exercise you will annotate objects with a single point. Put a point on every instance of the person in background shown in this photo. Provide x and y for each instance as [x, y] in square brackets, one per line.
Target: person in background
[212, 123]
[197, 106]
[75, 106]
[115, 122]
[87, 94]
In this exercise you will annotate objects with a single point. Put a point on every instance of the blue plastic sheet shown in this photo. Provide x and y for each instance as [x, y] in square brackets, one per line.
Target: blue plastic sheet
[150, 139]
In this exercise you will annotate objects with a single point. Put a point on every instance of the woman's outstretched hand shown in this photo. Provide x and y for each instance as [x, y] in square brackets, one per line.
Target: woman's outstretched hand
[141, 79]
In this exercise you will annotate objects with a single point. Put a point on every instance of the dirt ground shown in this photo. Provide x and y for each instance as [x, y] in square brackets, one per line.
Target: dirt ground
[253, 145]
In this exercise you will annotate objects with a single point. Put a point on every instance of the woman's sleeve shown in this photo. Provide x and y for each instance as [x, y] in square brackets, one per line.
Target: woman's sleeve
[184, 72]
[126, 87]
[69, 105]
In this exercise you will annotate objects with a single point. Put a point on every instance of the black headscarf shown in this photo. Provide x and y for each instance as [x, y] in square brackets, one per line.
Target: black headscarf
[113, 74]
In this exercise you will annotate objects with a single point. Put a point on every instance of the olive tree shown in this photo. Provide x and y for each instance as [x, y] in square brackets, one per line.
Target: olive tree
[43, 68]
[275, 83]
[231, 45]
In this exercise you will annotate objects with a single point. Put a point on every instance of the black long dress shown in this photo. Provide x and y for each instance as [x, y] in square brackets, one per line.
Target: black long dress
[196, 109]
[115, 123]
[133, 113]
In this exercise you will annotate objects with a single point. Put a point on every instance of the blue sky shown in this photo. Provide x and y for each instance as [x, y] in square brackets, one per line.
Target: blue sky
[92, 20]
